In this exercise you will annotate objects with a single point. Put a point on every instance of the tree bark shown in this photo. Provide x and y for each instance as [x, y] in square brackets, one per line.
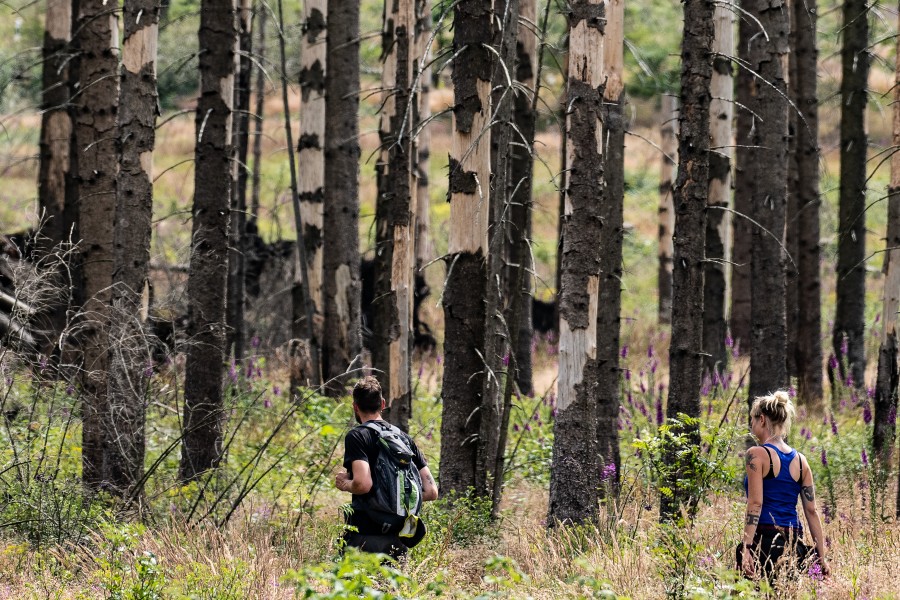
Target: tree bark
[95, 46]
[521, 183]
[669, 146]
[55, 145]
[575, 463]
[311, 180]
[769, 59]
[241, 142]
[394, 209]
[341, 283]
[885, 416]
[744, 181]
[424, 245]
[808, 356]
[259, 116]
[469, 195]
[690, 200]
[612, 219]
[130, 362]
[849, 318]
[207, 277]
[717, 220]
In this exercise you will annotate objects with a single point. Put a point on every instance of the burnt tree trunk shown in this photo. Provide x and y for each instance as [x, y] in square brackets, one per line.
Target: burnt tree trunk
[849, 318]
[207, 278]
[669, 146]
[424, 246]
[519, 278]
[885, 415]
[718, 220]
[808, 355]
[769, 59]
[469, 196]
[576, 462]
[612, 217]
[55, 145]
[258, 116]
[130, 362]
[311, 182]
[237, 333]
[341, 282]
[395, 203]
[746, 88]
[96, 63]
[691, 193]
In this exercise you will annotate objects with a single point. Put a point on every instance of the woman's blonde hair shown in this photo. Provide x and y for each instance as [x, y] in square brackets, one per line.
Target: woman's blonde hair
[778, 408]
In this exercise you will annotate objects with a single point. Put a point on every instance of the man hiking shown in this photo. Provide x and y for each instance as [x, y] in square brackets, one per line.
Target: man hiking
[388, 477]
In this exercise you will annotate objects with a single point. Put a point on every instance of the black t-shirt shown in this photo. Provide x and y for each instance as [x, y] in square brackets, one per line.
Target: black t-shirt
[361, 443]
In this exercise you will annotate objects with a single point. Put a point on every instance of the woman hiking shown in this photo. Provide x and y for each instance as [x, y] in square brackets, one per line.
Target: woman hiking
[776, 475]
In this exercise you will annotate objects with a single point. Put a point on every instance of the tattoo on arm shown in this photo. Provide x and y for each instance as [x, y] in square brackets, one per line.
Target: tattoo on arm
[431, 481]
[749, 460]
[809, 493]
[752, 519]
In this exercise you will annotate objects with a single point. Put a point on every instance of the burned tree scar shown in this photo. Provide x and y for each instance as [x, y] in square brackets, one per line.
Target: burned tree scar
[314, 25]
[719, 165]
[722, 65]
[462, 182]
[312, 78]
[594, 15]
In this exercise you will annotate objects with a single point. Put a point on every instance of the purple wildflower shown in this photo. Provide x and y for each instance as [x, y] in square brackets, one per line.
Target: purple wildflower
[627, 374]
[892, 416]
[148, 370]
[877, 318]
[870, 393]
[516, 427]
[43, 363]
[867, 413]
[824, 458]
[653, 365]
[815, 572]
[834, 430]
[254, 341]
[506, 359]
[808, 434]
[729, 341]
[643, 387]
[659, 411]
[232, 373]
[624, 352]
[792, 392]
[832, 362]
[439, 359]
[864, 457]
[267, 403]
[276, 390]
[70, 390]
[608, 472]
[650, 351]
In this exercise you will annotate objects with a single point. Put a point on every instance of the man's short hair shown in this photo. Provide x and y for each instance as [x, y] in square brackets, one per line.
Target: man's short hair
[367, 394]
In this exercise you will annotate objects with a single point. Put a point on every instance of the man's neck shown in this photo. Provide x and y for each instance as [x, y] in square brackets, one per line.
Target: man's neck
[372, 417]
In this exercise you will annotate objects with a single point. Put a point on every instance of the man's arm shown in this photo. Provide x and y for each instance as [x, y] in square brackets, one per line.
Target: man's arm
[361, 482]
[429, 487]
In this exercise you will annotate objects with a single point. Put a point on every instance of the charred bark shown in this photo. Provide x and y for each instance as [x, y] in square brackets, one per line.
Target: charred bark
[691, 193]
[669, 146]
[575, 464]
[769, 60]
[808, 356]
[341, 284]
[717, 220]
[208, 274]
[469, 195]
[394, 232]
[96, 63]
[130, 361]
[849, 318]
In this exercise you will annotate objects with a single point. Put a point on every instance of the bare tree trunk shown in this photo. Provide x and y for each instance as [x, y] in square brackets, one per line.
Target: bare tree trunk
[258, 120]
[341, 283]
[575, 466]
[394, 209]
[203, 402]
[808, 257]
[669, 146]
[424, 245]
[95, 105]
[519, 276]
[56, 141]
[612, 217]
[691, 193]
[469, 194]
[744, 183]
[769, 59]
[130, 362]
[885, 417]
[717, 220]
[311, 181]
[849, 318]
[241, 141]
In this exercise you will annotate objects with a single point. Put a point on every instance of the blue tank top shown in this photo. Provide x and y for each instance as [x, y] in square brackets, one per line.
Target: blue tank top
[780, 494]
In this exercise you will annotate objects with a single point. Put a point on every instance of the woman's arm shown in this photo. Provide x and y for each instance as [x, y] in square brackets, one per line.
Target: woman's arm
[754, 465]
[808, 499]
